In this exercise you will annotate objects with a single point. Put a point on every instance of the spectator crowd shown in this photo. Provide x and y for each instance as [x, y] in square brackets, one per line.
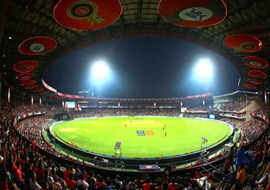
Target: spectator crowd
[24, 166]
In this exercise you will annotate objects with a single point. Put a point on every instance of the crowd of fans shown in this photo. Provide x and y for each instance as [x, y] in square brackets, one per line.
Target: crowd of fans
[232, 106]
[23, 165]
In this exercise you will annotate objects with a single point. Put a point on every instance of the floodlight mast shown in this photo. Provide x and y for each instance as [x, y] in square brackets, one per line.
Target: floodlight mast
[100, 74]
[204, 68]
[100, 71]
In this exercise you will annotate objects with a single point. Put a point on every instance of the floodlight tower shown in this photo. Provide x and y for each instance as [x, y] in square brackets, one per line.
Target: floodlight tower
[100, 73]
[204, 69]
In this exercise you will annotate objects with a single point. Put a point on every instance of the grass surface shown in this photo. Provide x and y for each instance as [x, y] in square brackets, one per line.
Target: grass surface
[141, 137]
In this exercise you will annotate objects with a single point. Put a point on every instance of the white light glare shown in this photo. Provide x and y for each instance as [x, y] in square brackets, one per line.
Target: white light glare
[100, 70]
[204, 68]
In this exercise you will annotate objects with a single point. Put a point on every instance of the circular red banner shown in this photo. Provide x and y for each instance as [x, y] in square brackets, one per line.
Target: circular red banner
[243, 42]
[38, 45]
[54, 97]
[26, 66]
[193, 13]
[28, 83]
[38, 90]
[24, 76]
[255, 81]
[30, 87]
[257, 74]
[250, 86]
[87, 14]
[255, 62]
[44, 92]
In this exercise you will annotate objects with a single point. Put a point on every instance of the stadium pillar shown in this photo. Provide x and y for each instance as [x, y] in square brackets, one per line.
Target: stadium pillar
[3, 17]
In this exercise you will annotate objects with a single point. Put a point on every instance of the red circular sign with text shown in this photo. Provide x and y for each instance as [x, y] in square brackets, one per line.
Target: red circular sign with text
[255, 81]
[38, 45]
[257, 74]
[38, 90]
[250, 86]
[26, 66]
[255, 62]
[87, 14]
[24, 76]
[28, 82]
[193, 13]
[243, 42]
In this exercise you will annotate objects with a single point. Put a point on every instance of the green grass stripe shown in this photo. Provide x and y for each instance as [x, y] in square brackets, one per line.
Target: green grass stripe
[169, 136]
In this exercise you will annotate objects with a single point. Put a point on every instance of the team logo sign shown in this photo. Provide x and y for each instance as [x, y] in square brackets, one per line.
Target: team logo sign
[38, 90]
[26, 66]
[257, 74]
[198, 14]
[255, 62]
[44, 92]
[28, 83]
[254, 81]
[24, 76]
[38, 45]
[193, 13]
[250, 86]
[243, 42]
[29, 87]
[87, 14]
[54, 97]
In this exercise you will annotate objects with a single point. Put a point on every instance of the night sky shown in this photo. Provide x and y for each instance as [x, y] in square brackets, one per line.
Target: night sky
[142, 67]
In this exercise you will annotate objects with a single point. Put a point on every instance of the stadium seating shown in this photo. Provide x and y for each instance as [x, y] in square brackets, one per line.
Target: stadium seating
[25, 161]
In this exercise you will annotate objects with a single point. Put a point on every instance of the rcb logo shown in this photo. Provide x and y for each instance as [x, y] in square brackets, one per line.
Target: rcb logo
[37, 48]
[84, 10]
[254, 63]
[248, 46]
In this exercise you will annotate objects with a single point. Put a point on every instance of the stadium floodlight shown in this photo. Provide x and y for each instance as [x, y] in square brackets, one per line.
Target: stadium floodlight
[204, 69]
[100, 71]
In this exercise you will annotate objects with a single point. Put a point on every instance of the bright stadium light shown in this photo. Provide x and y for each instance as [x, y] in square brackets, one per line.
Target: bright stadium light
[204, 69]
[100, 71]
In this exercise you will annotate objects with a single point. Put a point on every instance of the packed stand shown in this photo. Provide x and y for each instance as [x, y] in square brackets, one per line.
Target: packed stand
[22, 166]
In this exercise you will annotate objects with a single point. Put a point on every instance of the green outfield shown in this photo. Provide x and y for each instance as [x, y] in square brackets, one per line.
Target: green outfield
[141, 136]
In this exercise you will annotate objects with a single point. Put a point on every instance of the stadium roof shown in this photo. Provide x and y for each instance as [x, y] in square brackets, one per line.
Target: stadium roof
[34, 33]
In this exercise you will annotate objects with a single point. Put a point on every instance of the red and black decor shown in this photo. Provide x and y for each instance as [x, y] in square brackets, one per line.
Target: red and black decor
[28, 83]
[257, 74]
[193, 13]
[38, 45]
[87, 14]
[243, 42]
[38, 90]
[255, 62]
[30, 87]
[250, 86]
[26, 66]
[255, 81]
[24, 76]
[44, 92]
